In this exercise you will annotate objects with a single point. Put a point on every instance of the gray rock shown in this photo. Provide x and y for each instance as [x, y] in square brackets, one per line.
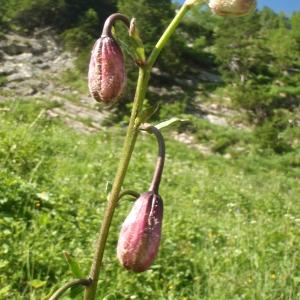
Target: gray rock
[15, 49]
[2, 55]
[190, 141]
[24, 57]
[43, 66]
[216, 120]
[209, 77]
[37, 48]
[26, 91]
[37, 60]
[14, 44]
[185, 82]
[20, 76]
[8, 68]
[62, 62]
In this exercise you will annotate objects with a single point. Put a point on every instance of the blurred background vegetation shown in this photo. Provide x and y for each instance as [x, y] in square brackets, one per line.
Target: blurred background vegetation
[232, 218]
[256, 57]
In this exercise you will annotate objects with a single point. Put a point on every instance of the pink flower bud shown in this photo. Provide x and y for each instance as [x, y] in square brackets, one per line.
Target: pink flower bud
[232, 7]
[140, 233]
[107, 76]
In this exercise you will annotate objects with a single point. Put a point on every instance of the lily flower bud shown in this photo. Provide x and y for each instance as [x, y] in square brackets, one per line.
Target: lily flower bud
[107, 76]
[232, 7]
[140, 233]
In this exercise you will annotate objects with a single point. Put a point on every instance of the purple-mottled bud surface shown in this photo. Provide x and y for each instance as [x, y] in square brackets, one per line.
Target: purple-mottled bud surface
[232, 7]
[107, 76]
[140, 233]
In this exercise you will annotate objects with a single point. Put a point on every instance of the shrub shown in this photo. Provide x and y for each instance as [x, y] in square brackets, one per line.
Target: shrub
[269, 134]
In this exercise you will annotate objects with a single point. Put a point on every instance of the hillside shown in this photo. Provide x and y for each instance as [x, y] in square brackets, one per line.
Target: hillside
[233, 232]
[231, 180]
[37, 67]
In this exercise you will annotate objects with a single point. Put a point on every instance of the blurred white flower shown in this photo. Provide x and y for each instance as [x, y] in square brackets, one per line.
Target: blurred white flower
[232, 7]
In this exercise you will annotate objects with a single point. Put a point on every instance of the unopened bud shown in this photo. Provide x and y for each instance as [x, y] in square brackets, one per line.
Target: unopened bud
[139, 51]
[232, 7]
[107, 76]
[140, 233]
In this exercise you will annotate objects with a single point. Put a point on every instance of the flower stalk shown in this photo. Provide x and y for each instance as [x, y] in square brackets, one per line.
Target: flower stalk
[68, 285]
[236, 7]
[129, 143]
[128, 147]
[140, 234]
[110, 21]
[160, 158]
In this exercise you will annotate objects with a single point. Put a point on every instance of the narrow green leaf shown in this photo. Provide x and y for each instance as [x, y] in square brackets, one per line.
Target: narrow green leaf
[108, 187]
[36, 283]
[169, 123]
[3, 263]
[147, 113]
[74, 267]
[5, 291]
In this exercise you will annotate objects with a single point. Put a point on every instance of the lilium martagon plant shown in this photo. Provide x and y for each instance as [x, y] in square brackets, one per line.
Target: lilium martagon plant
[141, 231]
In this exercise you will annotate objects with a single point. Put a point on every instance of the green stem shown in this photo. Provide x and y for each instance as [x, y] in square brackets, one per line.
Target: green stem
[129, 143]
[69, 285]
[160, 157]
[167, 34]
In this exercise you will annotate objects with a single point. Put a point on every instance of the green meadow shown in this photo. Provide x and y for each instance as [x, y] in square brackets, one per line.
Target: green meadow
[231, 224]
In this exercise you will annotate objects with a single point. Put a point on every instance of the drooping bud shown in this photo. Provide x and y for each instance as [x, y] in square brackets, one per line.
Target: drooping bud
[140, 233]
[232, 7]
[107, 76]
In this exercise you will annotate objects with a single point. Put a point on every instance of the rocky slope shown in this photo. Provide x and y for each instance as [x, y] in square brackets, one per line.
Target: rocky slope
[26, 62]
[31, 67]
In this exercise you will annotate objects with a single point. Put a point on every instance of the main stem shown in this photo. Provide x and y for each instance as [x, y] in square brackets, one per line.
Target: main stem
[128, 147]
[129, 143]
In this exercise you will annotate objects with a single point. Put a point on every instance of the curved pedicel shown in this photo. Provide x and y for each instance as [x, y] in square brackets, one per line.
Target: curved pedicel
[110, 21]
[160, 157]
[140, 234]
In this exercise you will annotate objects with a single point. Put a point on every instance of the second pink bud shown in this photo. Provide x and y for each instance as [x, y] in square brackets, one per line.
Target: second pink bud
[140, 234]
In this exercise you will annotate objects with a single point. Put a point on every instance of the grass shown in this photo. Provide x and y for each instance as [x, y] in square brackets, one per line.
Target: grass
[3, 80]
[74, 79]
[231, 226]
